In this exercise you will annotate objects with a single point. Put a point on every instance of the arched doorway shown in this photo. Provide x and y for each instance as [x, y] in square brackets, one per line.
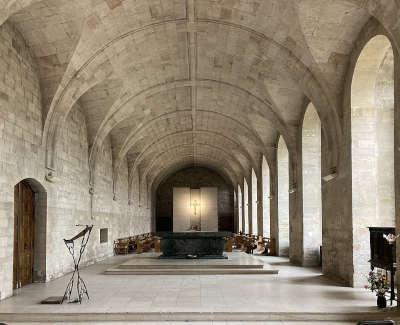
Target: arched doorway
[240, 209]
[246, 207]
[312, 204]
[283, 198]
[372, 148]
[254, 214]
[266, 198]
[30, 209]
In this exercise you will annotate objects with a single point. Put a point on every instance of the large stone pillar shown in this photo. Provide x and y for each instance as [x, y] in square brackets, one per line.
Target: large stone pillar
[336, 197]
[235, 210]
[295, 203]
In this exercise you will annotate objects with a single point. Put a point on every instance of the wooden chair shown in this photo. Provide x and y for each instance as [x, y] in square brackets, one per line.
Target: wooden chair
[132, 244]
[228, 244]
[239, 241]
[121, 246]
[250, 243]
[157, 244]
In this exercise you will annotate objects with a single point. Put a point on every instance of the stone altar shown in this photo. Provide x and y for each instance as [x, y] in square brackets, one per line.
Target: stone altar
[196, 244]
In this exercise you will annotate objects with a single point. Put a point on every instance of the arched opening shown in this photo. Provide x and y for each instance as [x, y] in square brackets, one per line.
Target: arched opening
[266, 198]
[246, 206]
[194, 197]
[254, 214]
[372, 148]
[240, 208]
[283, 198]
[30, 217]
[312, 204]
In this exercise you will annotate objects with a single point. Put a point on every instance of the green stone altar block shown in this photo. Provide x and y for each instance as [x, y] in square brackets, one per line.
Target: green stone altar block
[194, 244]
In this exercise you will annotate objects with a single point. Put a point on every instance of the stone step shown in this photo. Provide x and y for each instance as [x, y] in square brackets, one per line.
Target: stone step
[198, 271]
[320, 317]
[189, 266]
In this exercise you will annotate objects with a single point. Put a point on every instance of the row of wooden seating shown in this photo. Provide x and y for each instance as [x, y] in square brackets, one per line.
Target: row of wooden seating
[138, 244]
[250, 243]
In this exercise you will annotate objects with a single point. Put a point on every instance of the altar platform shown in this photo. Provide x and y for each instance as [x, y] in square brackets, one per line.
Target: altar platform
[150, 263]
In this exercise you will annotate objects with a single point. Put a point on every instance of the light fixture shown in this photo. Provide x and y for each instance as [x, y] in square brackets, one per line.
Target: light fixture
[51, 176]
[332, 175]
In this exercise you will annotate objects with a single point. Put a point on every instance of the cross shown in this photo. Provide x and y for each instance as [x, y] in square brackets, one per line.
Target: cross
[195, 204]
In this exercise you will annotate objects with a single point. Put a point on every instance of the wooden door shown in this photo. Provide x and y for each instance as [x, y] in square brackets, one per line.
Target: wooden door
[24, 230]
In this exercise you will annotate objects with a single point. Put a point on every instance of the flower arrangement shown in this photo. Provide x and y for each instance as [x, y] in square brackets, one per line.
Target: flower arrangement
[377, 282]
[391, 239]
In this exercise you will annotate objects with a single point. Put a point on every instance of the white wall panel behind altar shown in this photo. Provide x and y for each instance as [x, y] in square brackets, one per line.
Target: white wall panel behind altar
[209, 208]
[181, 209]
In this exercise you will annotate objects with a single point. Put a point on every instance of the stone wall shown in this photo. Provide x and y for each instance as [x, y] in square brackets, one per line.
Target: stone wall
[20, 137]
[139, 212]
[68, 199]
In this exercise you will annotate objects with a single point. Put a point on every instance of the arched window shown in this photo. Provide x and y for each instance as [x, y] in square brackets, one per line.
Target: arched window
[283, 198]
[240, 208]
[312, 205]
[372, 147]
[266, 198]
[254, 214]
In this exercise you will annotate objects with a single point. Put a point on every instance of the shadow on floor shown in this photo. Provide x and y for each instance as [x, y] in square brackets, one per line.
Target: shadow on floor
[281, 263]
[319, 279]
[346, 295]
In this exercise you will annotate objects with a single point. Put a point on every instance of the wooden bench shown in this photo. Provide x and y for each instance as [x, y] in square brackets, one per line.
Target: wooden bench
[121, 246]
[138, 243]
[248, 243]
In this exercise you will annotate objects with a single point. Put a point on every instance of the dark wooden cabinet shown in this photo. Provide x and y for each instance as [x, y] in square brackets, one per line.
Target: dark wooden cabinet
[383, 254]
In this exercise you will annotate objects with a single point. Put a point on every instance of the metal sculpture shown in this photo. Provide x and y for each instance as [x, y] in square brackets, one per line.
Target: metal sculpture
[77, 256]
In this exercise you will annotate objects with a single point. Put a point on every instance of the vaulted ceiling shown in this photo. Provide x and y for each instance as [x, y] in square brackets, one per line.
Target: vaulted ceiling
[180, 82]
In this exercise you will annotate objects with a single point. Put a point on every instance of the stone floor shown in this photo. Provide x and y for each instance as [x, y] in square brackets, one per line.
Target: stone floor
[196, 323]
[293, 294]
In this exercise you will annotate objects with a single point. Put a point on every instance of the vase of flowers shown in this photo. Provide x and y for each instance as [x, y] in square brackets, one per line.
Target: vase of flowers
[378, 283]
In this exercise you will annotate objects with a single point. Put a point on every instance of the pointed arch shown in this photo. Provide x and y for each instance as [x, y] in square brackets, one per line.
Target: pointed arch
[372, 147]
[266, 217]
[312, 202]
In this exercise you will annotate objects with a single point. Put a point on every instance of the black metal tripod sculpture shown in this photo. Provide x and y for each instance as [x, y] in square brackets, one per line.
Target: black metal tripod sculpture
[80, 284]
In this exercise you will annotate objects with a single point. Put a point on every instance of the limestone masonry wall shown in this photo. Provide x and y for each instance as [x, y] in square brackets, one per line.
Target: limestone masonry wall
[68, 198]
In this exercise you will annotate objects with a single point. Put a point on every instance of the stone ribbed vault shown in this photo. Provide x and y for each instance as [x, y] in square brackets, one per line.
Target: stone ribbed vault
[172, 83]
